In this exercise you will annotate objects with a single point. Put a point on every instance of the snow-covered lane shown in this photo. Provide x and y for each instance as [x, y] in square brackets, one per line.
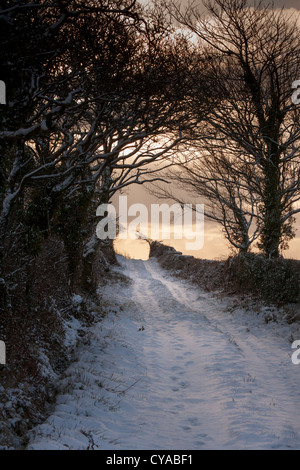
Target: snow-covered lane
[170, 368]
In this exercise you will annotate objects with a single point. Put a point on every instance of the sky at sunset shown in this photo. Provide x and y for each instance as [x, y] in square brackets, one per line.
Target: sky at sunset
[215, 245]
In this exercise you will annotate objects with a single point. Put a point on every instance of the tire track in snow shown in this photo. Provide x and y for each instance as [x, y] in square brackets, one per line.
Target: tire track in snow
[191, 378]
[269, 383]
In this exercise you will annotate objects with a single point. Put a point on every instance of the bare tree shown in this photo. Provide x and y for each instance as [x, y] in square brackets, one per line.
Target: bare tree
[253, 57]
[99, 100]
[209, 176]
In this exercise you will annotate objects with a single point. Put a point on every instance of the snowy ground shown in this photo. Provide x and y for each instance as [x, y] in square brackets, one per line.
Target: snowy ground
[172, 367]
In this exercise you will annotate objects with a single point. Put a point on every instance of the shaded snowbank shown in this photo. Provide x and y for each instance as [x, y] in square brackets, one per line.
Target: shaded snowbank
[42, 327]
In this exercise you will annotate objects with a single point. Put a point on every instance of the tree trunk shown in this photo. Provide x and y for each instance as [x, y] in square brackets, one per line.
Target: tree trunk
[272, 224]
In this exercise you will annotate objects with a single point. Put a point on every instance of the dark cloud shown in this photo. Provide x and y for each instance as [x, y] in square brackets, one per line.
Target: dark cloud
[287, 4]
[277, 3]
